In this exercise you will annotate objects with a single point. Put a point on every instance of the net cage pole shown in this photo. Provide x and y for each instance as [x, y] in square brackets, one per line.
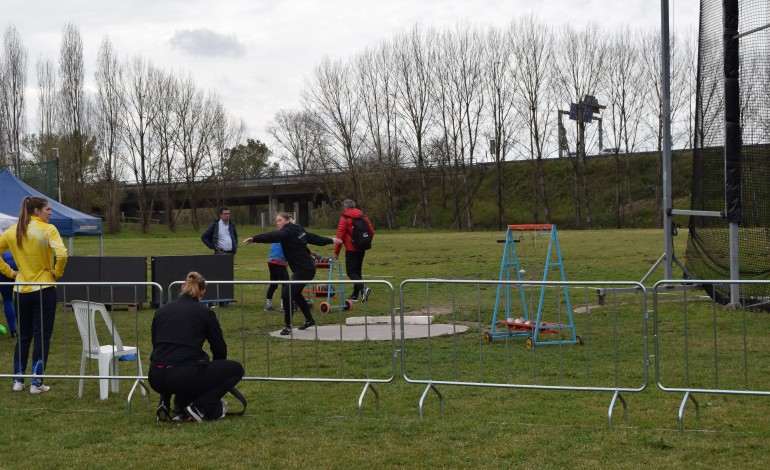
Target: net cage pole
[732, 149]
[731, 138]
[668, 241]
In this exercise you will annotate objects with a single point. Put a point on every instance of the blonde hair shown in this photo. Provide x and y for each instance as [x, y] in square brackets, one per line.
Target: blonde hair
[28, 206]
[286, 216]
[193, 285]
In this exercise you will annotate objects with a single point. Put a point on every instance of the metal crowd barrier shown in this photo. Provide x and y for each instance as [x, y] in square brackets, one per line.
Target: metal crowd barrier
[702, 346]
[612, 358]
[326, 352]
[133, 330]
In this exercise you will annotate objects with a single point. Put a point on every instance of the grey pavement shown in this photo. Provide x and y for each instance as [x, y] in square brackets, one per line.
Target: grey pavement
[378, 332]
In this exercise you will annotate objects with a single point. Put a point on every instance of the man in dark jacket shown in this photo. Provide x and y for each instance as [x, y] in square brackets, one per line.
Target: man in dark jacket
[354, 259]
[221, 235]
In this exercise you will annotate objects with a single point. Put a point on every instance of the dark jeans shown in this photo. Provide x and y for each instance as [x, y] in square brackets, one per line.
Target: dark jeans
[354, 261]
[200, 385]
[36, 315]
[291, 294]
[278, 272]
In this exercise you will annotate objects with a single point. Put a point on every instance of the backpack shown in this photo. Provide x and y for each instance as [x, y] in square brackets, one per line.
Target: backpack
[362, 237]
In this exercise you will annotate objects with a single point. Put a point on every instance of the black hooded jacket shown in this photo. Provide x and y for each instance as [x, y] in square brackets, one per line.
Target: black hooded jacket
[294, 240]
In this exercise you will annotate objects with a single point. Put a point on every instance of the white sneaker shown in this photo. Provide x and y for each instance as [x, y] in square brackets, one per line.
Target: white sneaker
[37, 389]
[18, 386]
[365, 294]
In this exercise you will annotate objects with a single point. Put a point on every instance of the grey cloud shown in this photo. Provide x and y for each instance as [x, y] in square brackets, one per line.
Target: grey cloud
[204, 42]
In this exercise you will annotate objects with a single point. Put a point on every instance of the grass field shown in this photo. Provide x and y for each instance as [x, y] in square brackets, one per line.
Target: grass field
[316, 425]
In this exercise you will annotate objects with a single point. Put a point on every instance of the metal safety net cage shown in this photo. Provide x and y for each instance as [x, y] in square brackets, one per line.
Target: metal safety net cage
[731, 155]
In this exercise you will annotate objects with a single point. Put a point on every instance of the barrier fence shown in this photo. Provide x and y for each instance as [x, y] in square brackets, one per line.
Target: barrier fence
[703, 347]
[473, 336]
[73, 345]
[611, 355]
[330, 351]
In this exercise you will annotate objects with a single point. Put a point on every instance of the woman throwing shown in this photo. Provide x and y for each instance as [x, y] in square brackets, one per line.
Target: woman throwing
[179, 366]
[34, 244]
[294, 240]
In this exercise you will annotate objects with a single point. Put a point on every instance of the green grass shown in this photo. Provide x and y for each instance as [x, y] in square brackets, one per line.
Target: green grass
[316, 425]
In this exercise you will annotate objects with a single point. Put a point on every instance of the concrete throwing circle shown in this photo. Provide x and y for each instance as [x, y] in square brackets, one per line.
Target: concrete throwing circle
[370, 332]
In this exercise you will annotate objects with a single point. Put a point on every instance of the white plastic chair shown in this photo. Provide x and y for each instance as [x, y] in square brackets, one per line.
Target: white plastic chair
[107, 355]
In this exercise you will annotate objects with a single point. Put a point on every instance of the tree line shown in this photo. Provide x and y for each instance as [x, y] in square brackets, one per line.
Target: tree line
[142, 124]
[437, 102]
[442, 101]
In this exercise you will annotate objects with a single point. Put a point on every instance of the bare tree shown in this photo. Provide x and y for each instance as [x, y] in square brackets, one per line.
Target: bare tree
[533, 54]
[165, 129]
[459, 98]
[332, 97]
[141, 145]
[500, 75]
[225, 136]
[109, 111]
[77, 158]
[48, 92]
[376, 90]
[627, 95]
[195, 112]
[301, 134]
[13, 81]
[414, 51]
[579, 60]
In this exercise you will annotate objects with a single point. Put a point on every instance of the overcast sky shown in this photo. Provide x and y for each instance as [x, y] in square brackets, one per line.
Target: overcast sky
[257, 53]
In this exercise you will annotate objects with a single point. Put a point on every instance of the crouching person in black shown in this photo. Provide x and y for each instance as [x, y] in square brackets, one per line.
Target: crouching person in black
[179, 366]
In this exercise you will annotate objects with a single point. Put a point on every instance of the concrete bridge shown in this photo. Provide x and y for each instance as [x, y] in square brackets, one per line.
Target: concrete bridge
[288, 192]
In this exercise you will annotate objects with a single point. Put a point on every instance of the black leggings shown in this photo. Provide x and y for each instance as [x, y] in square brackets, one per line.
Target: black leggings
[200, 385]
[291, 294]
[278, 272]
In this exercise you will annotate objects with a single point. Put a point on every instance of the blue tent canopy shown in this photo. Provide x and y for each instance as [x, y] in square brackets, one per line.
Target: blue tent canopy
[68, 221]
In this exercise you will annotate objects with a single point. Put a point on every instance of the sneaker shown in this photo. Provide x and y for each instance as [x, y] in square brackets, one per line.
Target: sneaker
[286, 331]
[162, 413]
[269, 308]
[14, 334]
[18, 386]
[353, 298]
[195, 414]
[38, 389]
[365, 294]
[182, 418]
[307, 324]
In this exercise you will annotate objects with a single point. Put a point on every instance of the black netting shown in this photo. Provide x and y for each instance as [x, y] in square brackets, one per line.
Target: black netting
[41, 176]
[708, 254]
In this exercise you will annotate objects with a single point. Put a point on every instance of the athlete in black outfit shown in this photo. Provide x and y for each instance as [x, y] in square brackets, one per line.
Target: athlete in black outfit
[294, 240]
[179, 366]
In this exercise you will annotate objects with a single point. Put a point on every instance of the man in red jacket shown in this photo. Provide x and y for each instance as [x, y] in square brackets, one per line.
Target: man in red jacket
[354, 259]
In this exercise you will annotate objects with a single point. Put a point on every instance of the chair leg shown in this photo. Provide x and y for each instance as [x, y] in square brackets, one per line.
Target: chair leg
[104, 370]
[82, 372]
[115, 372]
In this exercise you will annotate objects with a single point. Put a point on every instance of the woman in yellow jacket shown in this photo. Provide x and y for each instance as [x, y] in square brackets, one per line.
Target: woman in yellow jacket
[34, 243]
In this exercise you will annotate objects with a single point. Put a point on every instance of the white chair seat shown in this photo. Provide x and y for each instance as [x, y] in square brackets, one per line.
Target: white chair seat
[108, 356]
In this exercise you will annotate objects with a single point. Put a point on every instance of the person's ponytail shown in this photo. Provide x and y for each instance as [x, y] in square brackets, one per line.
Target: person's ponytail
[28, 206]
[193, 285]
